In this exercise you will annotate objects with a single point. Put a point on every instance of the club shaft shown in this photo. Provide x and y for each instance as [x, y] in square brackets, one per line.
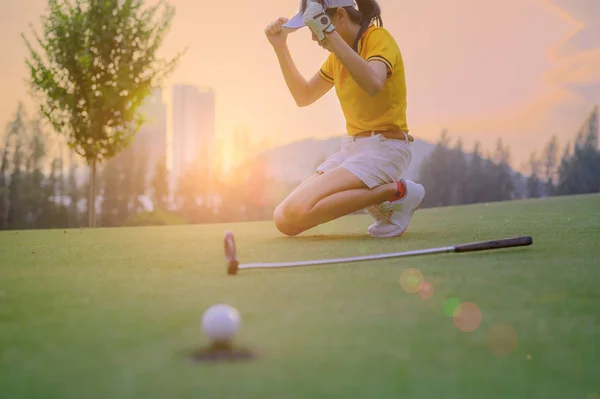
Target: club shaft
[350, 259]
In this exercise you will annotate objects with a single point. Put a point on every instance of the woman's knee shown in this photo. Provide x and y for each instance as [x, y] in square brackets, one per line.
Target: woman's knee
[293, 211]
[285, 224]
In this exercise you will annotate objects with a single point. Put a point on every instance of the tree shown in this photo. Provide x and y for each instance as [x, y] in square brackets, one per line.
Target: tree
[475, 176]
[580, 172]
[74, 193]
[504, 186]
[550, 161]
[35, 201]
[110, 182]
[434, 174]
[125, 189]
[533, 182]
[457, 172]
[13, 130]
[97, 63]
[16, 188]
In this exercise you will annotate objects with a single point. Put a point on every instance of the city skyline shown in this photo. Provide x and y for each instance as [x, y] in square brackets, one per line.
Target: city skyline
[152, 136]
[193, 122]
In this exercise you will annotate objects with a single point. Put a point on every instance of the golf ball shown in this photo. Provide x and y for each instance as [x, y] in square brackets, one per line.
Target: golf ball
[221, 322]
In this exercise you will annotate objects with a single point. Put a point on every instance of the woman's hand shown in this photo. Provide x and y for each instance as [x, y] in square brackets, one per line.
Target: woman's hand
[276, 34]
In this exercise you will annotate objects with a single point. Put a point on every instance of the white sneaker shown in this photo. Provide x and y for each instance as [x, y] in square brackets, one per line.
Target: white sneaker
[379, 213]
[396, 217]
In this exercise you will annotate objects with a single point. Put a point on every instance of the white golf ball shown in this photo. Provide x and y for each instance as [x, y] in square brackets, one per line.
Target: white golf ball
[221, 322]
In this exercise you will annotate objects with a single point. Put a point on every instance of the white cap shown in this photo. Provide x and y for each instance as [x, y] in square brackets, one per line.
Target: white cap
[297, 21]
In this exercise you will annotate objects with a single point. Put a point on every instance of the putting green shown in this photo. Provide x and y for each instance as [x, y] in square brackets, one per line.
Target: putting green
[115, 313]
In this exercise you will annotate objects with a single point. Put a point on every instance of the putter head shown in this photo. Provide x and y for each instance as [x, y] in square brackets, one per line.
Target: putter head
[230, 254]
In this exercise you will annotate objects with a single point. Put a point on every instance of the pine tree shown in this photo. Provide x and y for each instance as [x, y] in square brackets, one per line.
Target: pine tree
[457, 174]
[17, 214]
[534, 182]
[550, 161]
[434, 174]
[476, 179]
[36, 201]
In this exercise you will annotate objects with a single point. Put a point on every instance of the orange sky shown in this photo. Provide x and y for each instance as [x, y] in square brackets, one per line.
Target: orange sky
[520, 69]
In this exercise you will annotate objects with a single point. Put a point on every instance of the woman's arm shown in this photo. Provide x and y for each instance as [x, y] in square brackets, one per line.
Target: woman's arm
[370, 76]
[304, 93]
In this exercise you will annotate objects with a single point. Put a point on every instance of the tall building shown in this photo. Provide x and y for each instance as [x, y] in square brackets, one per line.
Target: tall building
[193, 128]
[152, 136]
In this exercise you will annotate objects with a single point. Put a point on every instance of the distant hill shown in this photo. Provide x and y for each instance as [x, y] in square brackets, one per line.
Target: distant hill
[295, 161]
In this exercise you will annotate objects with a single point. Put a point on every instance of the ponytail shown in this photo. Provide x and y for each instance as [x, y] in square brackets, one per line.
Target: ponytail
[370, 12]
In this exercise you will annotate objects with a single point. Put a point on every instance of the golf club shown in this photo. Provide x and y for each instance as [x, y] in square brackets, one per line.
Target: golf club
[233, 265]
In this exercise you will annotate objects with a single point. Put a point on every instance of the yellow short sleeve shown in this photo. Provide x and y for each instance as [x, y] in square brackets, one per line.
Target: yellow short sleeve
[379, 45]
[326, 71]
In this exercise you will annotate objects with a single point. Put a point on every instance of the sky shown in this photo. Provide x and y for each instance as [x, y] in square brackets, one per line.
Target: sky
[520, 70]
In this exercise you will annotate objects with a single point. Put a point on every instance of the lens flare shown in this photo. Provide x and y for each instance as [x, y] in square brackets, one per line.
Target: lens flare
[426, 290]
[410, 280]
[502, 339]
[467, 317]
[450, 306]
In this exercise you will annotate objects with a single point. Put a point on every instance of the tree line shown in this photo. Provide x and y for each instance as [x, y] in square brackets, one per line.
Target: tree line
[37, 188]
[41, 187]
[453, 176]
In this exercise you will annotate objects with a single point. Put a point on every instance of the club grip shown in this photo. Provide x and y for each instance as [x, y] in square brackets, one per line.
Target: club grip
[495, 244]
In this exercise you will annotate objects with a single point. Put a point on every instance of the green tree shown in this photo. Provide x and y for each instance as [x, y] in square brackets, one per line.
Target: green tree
[457, 172]
[13, 133]
[475, 176]
[550, 161]
[74, 194]
[110, 183]
[504, 186]
[534, 182]
[96, 64]
[434, 173]
[54, 212]
[17, 188]
[34, 179]
[580, 172]
[125, 188]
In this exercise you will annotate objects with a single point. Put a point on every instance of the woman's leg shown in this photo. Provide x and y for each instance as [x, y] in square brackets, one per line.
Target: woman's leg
[327, 197]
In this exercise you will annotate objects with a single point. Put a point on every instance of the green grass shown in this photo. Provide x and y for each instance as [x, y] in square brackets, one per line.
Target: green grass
[114, 313]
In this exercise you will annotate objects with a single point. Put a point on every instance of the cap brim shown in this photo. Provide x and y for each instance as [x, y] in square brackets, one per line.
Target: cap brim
[296, 22]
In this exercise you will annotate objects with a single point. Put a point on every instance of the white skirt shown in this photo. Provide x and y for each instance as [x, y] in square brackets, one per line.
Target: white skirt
[375, 160]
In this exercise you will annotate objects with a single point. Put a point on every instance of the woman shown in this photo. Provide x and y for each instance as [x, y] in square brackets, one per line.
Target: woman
[366, 68]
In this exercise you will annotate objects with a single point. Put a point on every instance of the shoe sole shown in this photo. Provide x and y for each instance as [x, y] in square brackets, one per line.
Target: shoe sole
[403, 231]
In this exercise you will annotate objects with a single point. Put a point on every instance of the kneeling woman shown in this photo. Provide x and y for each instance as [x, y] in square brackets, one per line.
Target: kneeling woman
[366, 68]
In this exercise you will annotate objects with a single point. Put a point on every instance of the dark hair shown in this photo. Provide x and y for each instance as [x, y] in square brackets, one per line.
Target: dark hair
[368, 12]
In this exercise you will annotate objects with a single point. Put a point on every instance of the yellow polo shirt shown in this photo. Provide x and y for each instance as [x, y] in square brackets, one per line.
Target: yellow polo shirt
[363, 113]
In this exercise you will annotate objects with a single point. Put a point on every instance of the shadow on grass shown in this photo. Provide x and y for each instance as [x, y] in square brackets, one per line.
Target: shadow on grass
[408, 237]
